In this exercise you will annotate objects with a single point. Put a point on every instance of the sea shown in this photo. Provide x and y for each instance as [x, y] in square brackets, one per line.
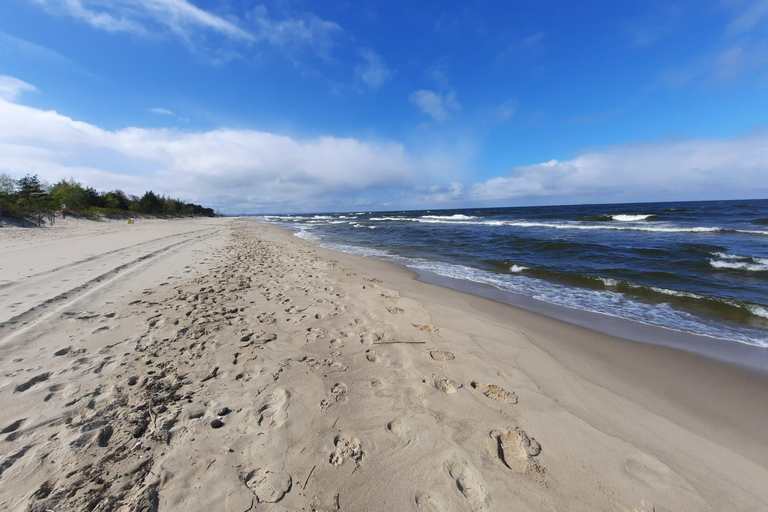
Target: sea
[694, 267]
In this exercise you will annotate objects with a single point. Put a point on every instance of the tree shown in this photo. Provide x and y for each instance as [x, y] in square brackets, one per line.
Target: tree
[116, 200]
[93, 198]
[30, 191]
[150, 203]
[7, 185]
[68, 192]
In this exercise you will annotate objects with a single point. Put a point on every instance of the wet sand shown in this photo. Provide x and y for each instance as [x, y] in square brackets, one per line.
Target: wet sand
[223, 364]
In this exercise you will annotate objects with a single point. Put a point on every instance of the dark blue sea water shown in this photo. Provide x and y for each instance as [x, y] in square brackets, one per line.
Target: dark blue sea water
[698, 267]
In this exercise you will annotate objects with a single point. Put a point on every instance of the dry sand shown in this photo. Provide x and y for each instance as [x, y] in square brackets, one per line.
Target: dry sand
[224, 364]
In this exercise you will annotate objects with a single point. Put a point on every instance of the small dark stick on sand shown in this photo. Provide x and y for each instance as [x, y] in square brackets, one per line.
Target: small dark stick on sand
[404, 342]
[309, 475]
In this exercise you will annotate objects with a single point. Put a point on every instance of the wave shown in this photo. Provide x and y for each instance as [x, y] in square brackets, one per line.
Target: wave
[632, 218]
[621, 299]
[654, 305]
[463, 220]
[723, 260]
[589, 227]
[457, 216]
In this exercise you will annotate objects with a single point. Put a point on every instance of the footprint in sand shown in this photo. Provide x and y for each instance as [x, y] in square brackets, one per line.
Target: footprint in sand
[426, 503]
[348, 447]
[515, 449]
[369, 338]
[273, 411]
[431, 329]
[372, 356]
[266, 318]
[315, 333]
[398, 428]
[268, 486]
[495, 392]
[395, 310]
[339, 392]
[468, 483]
[441, 355]
[443, 384]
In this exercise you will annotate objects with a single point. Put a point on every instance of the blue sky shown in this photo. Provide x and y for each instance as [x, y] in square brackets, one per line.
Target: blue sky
[252, 106]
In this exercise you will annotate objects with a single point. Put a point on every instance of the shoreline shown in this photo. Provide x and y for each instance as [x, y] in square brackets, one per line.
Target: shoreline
[709, 385]
[747, 356]
[234, 366]
[750, 357]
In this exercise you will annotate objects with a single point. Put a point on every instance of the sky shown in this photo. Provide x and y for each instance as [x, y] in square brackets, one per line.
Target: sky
[281, 106]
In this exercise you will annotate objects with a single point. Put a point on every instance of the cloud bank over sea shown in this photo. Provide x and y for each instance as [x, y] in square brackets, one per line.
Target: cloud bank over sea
[241, 170]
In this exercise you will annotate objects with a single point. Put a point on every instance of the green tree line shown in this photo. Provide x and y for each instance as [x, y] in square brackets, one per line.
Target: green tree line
[29, 195]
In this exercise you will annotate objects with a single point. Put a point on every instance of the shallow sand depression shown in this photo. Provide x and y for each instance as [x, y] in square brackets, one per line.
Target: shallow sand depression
[223, 364]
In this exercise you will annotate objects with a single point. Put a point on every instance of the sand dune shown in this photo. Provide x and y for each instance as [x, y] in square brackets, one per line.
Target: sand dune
[225, 365]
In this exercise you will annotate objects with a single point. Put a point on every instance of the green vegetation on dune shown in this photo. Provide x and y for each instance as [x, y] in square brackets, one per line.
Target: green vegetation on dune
[29, 195]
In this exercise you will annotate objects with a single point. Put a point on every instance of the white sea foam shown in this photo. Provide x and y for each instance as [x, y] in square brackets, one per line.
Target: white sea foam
[655, 228]
[517, 268]
[631, 218]
[758, 310]
[739, 265]
[676, 293]
[605, 302]
[305, 233]
[726, 256]
[457, 216]
[738, 262]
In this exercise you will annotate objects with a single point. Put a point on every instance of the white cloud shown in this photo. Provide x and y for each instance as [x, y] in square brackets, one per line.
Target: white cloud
[436, 104]
[374, 72]
[306, 30]
[147, 17]
[11, 88]
[223, 168]
[506, 110]
[161, 111]
[132, 15]
[749, 17]
[687, 169]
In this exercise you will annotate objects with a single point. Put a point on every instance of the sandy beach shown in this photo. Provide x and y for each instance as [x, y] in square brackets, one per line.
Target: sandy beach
[224, 364]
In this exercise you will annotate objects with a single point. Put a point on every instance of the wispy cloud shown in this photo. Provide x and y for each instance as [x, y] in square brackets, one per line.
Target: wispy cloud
[149, 18]
[32, 50]
[748, 15]
[11, 88]
[506, 110]
[303, 30]
[434, 103]
[132, 16]
[729, 64]
[437, 103]
[161, 111]
[374, 72]
[531, 45]
[740, 52]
